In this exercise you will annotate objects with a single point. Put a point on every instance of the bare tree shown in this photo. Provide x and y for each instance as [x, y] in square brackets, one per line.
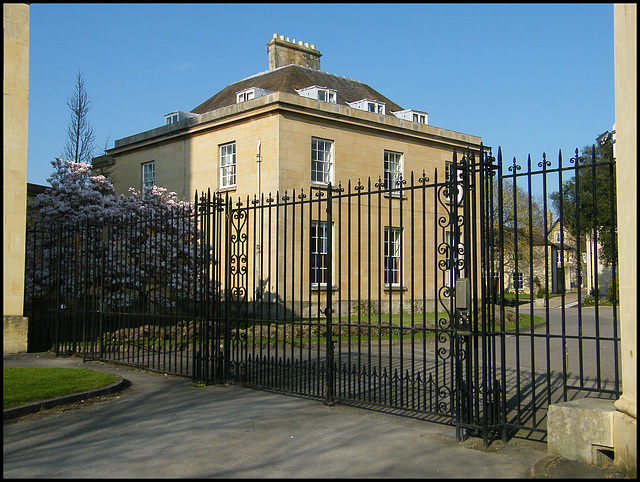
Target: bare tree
[522, 217]
[80, 144]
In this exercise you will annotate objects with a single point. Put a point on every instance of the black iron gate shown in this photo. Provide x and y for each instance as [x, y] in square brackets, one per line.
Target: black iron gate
[349, 293]
[392, 293]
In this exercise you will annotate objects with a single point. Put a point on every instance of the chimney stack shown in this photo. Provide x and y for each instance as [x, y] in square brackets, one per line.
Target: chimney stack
[283, 52]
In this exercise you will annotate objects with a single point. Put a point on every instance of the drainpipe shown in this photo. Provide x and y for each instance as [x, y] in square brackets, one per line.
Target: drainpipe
[258, 247]
[258, 161]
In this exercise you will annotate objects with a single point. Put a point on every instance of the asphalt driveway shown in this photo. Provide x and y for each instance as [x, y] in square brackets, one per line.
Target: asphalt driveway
[163, 426]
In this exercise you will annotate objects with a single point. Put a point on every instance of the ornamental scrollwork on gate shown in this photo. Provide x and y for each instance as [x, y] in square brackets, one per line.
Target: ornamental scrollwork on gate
[237, 289]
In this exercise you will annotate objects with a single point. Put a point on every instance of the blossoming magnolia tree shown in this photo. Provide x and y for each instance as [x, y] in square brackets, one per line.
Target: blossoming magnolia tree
[117, 253]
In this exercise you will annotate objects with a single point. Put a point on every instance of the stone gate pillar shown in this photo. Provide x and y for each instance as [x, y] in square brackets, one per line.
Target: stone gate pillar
[15, 25]
[626, 153]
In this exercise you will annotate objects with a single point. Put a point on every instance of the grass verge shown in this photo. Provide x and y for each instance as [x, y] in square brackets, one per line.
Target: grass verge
[31, 384]
[280, 331]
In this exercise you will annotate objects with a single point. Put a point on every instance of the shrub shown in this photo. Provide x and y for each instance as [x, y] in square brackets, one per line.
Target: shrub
[365, 308]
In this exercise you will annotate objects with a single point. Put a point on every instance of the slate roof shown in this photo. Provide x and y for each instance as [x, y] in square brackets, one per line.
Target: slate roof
[292, 77]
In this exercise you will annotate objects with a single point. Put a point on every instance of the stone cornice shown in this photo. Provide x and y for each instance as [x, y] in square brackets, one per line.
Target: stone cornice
[285, 102]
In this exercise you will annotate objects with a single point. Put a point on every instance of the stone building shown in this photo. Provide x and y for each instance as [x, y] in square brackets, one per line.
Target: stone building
[291, 126]
[297, 127]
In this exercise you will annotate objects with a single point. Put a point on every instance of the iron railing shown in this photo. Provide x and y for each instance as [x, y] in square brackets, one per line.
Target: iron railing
[389, 296]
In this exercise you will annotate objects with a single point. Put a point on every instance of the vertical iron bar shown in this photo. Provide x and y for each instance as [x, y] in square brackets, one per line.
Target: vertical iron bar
[532, 297]
[481, 367]
[227, 280]
[302, 375]
[380, 280]
[578, 233]
[516, 286]
[546, 163]
[401, 284]
[595, 248]
[358, 371]
[562, 295]
[370, 389]
[349, 291]
[329, 308]
[503, 362]
[614, 259]
[338, 380]
[413, 280]
[277, 378]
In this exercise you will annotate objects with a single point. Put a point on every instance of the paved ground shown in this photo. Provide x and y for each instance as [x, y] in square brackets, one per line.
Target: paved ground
[165, 427]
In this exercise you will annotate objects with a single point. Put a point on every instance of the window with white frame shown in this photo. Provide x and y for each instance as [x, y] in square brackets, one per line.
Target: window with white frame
[448, 274]
[148, 174]
[448, 169]
[420, 118]
[558, 237]
[392, 256]
[177, 116]
[250, 93]
[327, 95]
[413, 115]
[375, 107]
[318, 252]
[368, 105]
[228, 165]
[320, 93]
[518, 281]
[392, 169]
[171, 118]
[321, 160]
[245, 95]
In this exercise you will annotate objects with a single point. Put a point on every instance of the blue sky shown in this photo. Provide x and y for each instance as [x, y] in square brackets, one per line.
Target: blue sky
[529, 78]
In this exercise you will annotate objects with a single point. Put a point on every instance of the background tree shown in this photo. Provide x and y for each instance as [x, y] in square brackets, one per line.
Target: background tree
[589, 199]
[518, 226]
[80, 145]
[523, 222]
[74, 194]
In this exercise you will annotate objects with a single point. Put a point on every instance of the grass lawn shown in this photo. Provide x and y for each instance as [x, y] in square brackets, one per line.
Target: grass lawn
[30, 384]
[305, 330]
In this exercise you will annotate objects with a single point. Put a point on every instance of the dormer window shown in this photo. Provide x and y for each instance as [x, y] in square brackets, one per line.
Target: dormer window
[171, 118]
[250, 93]
[374, 106]
[177, 116]
[244, 95]
[413, 115]
[419, 118]
[319, 93]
